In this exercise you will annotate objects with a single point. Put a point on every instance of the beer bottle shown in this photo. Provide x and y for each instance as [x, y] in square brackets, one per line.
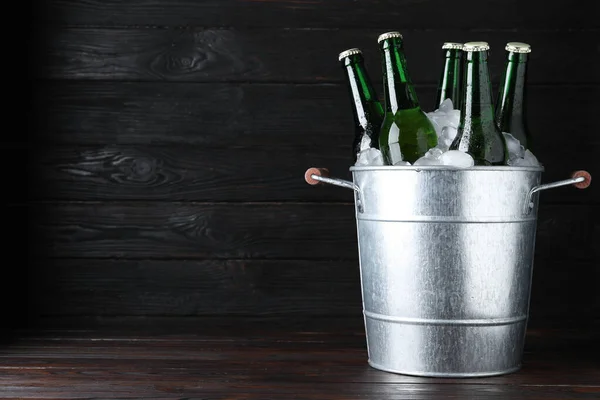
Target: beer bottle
[477, 132]
[450, 82]
[406, 133]
[510, 103]
[367, 109]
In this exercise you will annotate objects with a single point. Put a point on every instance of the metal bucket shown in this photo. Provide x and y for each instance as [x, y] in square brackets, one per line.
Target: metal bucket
[446, 258]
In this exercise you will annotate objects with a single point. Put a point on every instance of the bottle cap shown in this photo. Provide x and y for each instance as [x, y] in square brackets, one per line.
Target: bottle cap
[476, 46]
[452, 45]
[349, 52]
[388, 35]
[518, 47]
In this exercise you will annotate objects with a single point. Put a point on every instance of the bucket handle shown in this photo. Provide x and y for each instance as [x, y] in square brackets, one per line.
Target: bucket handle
[316, 176]
[580, 179]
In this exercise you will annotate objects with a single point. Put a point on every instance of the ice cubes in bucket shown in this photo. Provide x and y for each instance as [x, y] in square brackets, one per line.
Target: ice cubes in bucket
[370, 156]
[450, 158]
[432, 157]
[517, 155]
[444, 116]
[457, 159]
[445, 120]
[515, 149]
[528, 160]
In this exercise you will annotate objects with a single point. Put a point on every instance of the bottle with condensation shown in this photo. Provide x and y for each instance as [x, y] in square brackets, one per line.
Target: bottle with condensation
[366, 107]
[406, 133]
[478, 134]
[450, 81]
[510, 112]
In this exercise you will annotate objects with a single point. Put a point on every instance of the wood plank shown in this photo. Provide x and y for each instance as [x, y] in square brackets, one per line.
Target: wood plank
[195, 173]
[316, 371]
[263, 55]
[67, 341]
[384, 15]
[553, 361]
[300, 365]
[314, 288]
[259, 115]
[172, 230]
[212, 352]
[178, 172]
[316, 358]
[180, 288]
[190, 389]
[206, 359]
[262, 230]
[214, 328]
[552, 340]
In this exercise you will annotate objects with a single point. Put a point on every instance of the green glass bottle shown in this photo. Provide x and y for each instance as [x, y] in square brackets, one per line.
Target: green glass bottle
[510, 104]
[450, 82]
[406, 133]
[477, 132]
[366, 107]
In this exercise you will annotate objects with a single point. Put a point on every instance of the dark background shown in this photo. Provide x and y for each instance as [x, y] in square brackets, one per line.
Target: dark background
[168, 142]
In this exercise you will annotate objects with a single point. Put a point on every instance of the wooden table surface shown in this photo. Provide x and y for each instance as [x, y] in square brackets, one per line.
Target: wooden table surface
[216, 358]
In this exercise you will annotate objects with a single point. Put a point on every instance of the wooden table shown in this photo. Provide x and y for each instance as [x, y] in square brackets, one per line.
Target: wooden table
[216, 358]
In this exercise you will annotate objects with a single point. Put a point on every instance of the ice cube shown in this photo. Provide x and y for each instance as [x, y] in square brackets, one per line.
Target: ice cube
[402, 163]
[370, 156]
[447, 137]
[434, 152]
[428, 161]
[454, 118]
[365, 143]
[457, 158]
[528, 160]
[431, 157]
[515, 149]
[444, 116]
[446, 106]
[438, 121]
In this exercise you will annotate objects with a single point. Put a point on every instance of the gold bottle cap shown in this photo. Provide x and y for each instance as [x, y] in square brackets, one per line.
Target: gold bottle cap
[349, 52]
[476, 46]
[388, 35]
[518, 47]
[452, 45]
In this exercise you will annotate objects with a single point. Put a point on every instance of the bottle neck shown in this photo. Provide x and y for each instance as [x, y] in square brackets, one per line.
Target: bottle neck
[477, 106]
[362, 92]
[510, 106]
[450, 86]
[398, 89]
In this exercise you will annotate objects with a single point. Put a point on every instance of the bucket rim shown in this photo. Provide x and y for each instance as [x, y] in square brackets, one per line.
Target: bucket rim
[502, 168]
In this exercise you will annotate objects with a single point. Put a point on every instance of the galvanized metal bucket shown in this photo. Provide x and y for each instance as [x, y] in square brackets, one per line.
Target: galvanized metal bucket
[446, 259]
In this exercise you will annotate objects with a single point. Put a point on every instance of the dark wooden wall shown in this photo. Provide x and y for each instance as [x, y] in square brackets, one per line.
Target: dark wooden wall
[170, 138]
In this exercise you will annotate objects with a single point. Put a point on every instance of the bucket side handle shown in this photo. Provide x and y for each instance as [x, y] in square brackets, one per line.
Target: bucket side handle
[580, 179]
[317, 176]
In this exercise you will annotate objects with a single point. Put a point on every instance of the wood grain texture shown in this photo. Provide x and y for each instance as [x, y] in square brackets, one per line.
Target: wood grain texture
[290, 55]
[215, 362]
[320, 331]
[213, 287]
[384, 15]
[261, 230]
[290, 288]
[183, 173]
[195, 173]
[303, 368]
[267, 115]
[266, 389]
[167, 147]
[172, 230]
[303, 371]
